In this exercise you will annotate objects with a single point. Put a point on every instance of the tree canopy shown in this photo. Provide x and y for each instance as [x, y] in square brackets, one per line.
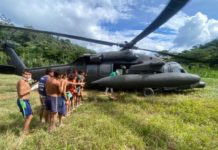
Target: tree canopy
[37, 49]
[206, 54]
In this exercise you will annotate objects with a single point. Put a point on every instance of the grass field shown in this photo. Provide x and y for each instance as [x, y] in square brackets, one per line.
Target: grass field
[185, 120]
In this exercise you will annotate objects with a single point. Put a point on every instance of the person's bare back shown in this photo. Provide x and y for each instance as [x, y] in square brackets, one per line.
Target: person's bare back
[53, 87]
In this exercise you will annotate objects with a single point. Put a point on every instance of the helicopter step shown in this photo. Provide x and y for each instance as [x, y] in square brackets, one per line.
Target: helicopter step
[141, 81]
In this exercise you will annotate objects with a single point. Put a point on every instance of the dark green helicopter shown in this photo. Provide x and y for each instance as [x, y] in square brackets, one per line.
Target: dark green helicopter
[143, 72]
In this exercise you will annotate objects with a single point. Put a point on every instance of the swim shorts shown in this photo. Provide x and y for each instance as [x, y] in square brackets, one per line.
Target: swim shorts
[24, 107]
[61, 106]
[51, 103]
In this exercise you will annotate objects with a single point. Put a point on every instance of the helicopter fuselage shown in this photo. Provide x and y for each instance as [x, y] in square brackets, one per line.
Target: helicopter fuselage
[141, 71]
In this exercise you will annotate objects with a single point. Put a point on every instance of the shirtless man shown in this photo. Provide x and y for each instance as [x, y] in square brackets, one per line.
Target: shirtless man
[23, 92]
[53, 91]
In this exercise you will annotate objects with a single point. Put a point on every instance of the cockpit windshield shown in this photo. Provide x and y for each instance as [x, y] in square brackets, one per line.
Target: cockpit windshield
[173, 67]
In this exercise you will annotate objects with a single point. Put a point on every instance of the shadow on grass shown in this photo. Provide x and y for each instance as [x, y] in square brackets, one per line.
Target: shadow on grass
[15, 123]
[13, 126]
[153, 137]
[130, 98]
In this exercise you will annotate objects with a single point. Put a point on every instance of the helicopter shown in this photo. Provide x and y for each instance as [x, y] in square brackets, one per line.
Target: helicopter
[147, 73]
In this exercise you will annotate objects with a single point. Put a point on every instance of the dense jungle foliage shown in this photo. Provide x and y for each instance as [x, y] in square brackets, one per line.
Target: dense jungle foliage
[203, 55]
[37, 49]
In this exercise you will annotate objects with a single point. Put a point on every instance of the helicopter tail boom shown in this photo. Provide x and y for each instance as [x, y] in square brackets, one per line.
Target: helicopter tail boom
[18, 64]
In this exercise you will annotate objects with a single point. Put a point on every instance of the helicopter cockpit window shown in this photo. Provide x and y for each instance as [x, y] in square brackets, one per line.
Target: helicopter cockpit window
[176, 69]
[92, 69]
[105, 69]
[182, 70]
[173, 67]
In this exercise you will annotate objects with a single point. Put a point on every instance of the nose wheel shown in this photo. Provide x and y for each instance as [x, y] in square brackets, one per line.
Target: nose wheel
[148, 91]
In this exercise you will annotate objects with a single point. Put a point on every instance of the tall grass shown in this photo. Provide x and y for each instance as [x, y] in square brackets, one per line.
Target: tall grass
[183, 120]
[203, 71]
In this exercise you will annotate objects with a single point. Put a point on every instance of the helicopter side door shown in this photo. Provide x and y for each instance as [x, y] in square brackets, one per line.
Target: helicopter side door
[105, 69]
[97, 71]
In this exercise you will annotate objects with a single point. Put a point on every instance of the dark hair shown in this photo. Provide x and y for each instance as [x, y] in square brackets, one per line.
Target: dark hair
[57, 73]
[75, 71]
[70, 77]
[26, 70]
[64, 75]
[48, 70]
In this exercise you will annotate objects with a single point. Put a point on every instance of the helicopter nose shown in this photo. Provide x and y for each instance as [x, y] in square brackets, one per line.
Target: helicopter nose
[199, 84]
[193, 77]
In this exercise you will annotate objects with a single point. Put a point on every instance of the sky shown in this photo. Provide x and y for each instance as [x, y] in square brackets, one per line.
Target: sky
[118, 21]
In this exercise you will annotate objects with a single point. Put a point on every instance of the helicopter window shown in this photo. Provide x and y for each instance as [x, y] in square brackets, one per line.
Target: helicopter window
[182, 70]
[105, 69]
[176, 69]
[167, 68]
[92, 69]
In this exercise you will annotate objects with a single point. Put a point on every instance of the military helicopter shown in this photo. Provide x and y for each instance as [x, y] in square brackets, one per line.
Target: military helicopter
[144, 72]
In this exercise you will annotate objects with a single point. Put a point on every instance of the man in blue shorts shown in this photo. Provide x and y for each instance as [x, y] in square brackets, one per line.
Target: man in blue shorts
[23, 92]
[53, 91]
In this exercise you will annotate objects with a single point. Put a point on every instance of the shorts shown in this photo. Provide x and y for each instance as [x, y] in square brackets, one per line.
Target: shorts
[78, 89]
[24, 107]
[69, 95]
[42, 99]
[51, 103]
[61, 106]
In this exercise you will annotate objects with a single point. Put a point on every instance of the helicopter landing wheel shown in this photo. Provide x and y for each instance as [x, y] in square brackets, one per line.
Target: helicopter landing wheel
[148, 91]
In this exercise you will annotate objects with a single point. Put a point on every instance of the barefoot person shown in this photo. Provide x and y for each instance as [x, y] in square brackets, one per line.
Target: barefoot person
[53, 91]
[62, 99]
[71, 86]
[23, 92]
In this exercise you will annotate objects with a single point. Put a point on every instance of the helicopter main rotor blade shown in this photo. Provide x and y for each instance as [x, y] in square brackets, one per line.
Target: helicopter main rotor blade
[171, 9]
[170, 54]
[64, 35]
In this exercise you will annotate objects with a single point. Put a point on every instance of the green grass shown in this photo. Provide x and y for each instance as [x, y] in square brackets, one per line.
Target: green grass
[183, 120]
[203, 71]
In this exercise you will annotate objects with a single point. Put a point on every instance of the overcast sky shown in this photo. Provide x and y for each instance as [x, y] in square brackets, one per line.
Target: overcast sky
[118, 21]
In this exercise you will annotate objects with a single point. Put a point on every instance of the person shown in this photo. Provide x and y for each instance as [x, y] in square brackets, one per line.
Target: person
[23, 93]
[112, 74]
[83, 78]
[53, 91]
[68, 96]
[43, 114]
[63, 98]
[79, 86]
[72, 89]
[124, 69]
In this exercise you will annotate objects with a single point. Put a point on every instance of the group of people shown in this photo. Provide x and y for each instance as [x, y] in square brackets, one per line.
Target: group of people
[60, 94]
